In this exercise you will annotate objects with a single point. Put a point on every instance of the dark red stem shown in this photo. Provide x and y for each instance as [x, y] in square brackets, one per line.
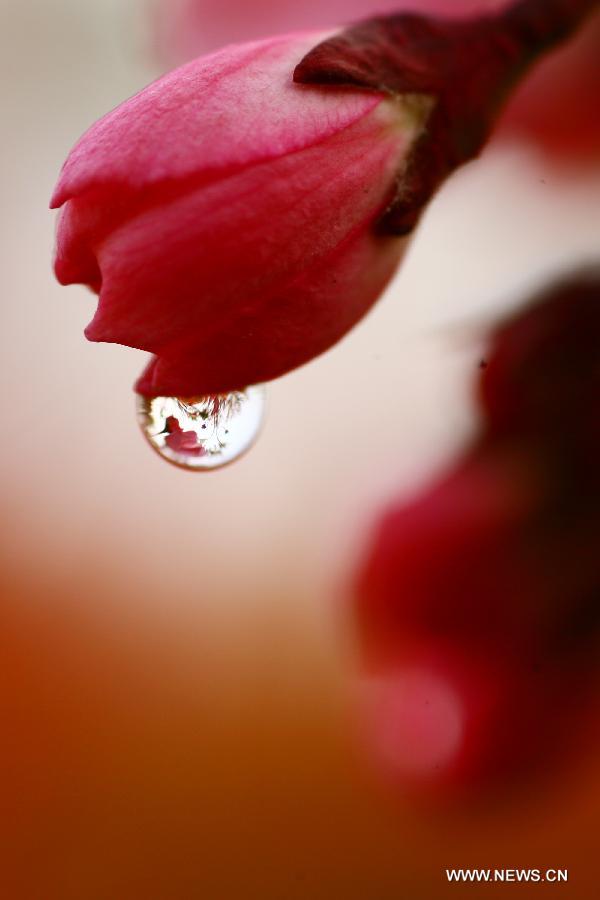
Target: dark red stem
[467, 67]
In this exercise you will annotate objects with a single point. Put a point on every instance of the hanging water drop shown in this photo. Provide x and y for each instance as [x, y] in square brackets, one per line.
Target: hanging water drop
[202, 433]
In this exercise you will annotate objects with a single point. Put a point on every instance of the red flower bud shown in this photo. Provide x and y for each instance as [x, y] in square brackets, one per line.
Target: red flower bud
[225, 216]
[236, 222]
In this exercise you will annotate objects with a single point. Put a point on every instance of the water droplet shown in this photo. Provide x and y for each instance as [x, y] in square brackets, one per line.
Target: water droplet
[202, 433]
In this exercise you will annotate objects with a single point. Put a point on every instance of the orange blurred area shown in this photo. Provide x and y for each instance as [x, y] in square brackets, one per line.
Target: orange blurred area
[179, 717]
[136, 764]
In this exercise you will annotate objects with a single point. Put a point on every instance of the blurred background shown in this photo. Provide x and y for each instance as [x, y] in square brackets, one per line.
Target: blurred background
[178, 660]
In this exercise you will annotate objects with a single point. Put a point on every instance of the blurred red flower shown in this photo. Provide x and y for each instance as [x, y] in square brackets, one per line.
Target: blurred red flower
[183, 29]
[556, 106]
[479, 603]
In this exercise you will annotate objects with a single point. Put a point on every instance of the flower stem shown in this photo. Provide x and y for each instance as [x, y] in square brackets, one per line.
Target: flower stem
[467, 67]
[544, 23]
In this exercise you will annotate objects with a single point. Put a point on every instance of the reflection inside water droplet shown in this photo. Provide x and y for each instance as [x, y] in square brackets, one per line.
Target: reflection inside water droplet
[202, 432]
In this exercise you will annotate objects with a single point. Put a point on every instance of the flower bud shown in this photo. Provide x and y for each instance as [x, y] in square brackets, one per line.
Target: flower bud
[240, 215]
[225, 216]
